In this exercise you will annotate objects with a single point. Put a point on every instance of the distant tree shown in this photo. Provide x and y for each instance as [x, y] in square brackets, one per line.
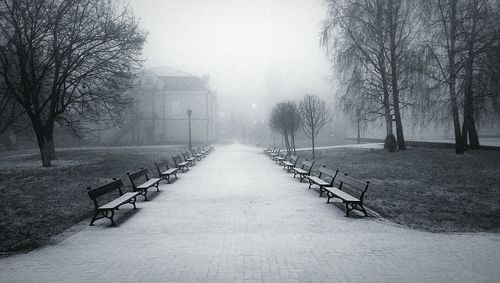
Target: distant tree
[294, 121]
[314, 116]
[67, 61]
[286, 120]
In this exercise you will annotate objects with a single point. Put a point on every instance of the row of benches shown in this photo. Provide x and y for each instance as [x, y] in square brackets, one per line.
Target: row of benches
[329, 181]
[141, 183]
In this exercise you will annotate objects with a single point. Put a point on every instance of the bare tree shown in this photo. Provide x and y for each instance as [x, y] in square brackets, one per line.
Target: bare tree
[314, 116]
[286, 120]
[480, 31]
[371, 39]
[294, 121]
[64, 60]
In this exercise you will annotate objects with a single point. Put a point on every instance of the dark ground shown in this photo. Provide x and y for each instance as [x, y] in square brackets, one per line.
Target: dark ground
[426, 188]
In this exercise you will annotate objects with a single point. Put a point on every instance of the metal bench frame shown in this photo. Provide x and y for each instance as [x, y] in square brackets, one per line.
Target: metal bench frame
[349, 182]
[323, 172]
[100, 213]
[142, 191]
[162, 174]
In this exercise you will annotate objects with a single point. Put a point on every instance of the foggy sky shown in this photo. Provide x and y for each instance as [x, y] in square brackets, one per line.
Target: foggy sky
[256, 52]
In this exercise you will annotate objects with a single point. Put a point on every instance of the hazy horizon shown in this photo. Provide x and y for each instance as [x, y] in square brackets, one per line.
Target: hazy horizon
[255, 52]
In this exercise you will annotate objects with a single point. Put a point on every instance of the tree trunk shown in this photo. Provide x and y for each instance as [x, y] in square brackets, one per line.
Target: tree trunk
[287, 142]
[50, 143]
[459, 144]
[312, 140]
[469, 131]
[383, 75]
[393, 15]
[44, 147]
[359, 134]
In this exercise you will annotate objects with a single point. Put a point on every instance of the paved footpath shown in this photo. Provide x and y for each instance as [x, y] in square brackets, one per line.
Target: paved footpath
[237, 217]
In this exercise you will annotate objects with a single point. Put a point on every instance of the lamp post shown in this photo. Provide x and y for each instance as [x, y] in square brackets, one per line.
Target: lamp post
[189, 112]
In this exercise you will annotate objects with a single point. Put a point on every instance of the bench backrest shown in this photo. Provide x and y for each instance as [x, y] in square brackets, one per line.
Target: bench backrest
[327, 174]
[193, 151]
[177, 159]
[104, 189]
[161, 164]
[137, 174]
[294, 159]
[307, 165]
[185, 155]
[284, 154]
[352, 184]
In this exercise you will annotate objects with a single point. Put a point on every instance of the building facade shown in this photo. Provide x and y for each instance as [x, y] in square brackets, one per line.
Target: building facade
[159, 114]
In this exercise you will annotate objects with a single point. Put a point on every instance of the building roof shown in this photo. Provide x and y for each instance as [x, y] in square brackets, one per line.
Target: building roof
[176, 80]
[168, 72]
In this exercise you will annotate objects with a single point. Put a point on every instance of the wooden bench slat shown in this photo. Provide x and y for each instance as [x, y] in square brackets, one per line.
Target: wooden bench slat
[342, 195]
[148, 183]
[317, 181]
[119, 201]
[299, 170]
[170, 171]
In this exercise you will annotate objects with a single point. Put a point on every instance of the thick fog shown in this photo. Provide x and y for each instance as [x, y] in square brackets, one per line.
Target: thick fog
[256, 52]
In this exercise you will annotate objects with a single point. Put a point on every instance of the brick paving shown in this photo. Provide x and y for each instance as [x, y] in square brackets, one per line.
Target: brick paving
[237, 217]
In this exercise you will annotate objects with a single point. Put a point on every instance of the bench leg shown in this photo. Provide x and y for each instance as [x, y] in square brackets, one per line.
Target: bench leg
[347, 209]
[144, 193]
[132, 201]
[321, 191]
[157, 187]
[111, 218]
[93, 219]
[364, 211]
[329, 195]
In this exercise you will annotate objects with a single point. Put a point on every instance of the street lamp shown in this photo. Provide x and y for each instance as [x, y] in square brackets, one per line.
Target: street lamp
[189, 112]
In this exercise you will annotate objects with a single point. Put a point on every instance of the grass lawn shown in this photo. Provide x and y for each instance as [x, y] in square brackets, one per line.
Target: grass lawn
[425, 188]
[37, 203]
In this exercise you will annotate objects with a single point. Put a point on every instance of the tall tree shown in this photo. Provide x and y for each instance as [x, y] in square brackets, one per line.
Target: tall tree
[314, 116]
[443, 46]
[64, 59]
[479, 31]
[371, 39]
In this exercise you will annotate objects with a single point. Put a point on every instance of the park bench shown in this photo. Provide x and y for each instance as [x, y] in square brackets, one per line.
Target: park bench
[209, 148]
[142, 189]
[281, 157]
[325, 179]
[108, 210]
[164, 172]
[179, 163]
[275, 154]
[292, 162]
[189, 159]
[196, 155]
[272, 151]
[304, 170]
[269, 150]
[201, 152]
[352, 185]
